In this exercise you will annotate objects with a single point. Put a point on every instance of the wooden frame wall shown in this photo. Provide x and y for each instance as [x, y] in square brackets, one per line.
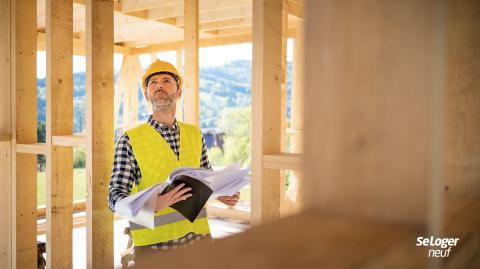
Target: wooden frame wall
[100, 121]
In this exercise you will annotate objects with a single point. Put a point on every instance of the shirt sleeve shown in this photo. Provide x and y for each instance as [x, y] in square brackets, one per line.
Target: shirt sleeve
[204, 161]
[125, 172]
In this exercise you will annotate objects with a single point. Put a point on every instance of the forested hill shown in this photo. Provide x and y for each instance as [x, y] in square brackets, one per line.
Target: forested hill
[221, 87]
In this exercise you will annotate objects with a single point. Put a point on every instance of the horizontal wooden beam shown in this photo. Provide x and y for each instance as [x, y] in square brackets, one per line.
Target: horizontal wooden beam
[69, 140]
[78, 45]
[78, 206]
[205, 42]
[228, 13]
[39, 148]
[283, 161]
[292, 132]
[127, 6]
[294, 7]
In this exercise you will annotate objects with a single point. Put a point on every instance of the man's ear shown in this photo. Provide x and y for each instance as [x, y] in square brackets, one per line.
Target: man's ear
[179, 93]
[145, 93]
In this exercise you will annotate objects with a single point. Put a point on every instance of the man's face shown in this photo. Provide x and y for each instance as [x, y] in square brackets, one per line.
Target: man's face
[162, 92]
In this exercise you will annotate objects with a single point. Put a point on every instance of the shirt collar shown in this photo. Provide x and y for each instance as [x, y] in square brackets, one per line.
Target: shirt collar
[160, 126]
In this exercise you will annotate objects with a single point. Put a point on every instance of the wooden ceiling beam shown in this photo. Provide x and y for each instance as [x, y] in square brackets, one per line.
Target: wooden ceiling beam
[233, 38]
[139, 5]
[78, 45]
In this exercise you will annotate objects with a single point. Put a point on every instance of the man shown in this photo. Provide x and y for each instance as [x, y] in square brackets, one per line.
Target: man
[147, 154]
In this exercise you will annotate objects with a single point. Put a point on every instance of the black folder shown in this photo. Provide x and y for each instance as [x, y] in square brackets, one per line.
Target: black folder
[191, 207]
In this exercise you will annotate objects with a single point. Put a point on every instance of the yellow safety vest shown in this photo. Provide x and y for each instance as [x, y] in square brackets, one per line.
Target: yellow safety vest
[156, 161]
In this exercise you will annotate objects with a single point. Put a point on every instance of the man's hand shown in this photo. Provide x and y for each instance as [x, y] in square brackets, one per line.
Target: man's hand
[177, 194]
[229, 200]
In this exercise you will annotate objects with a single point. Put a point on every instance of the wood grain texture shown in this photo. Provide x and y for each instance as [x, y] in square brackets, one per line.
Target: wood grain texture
[6, 154]
[266, 107]
[373, 107]
[100, 121]
[191, 72]
[25, 79]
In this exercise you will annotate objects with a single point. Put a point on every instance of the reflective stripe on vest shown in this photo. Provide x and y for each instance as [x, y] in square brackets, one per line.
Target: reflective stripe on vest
[167, 219]
[156, 160]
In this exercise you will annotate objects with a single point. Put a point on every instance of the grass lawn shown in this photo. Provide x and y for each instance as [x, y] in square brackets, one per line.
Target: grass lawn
[79, 186]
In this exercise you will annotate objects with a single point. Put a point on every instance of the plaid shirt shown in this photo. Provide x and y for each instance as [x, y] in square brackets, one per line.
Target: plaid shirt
[126, 172]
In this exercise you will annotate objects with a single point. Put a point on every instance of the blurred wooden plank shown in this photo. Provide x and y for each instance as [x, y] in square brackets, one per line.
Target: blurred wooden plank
[462, 120]
[374, 122]
[5, 137]
[100, 121]
[266, 107]
[312, 239]
[6, 154]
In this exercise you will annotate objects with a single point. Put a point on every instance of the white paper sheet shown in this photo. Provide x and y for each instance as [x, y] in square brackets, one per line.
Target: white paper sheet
[139, 207]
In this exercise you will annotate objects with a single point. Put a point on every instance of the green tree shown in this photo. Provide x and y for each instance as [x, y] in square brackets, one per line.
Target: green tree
[78, 158]
[235, 122]
[41, 134]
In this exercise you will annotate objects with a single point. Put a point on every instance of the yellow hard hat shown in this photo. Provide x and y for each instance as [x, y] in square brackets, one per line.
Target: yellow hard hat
[161, 67]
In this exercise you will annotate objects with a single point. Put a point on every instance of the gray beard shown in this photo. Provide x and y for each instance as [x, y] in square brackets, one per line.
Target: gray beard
[163, 105]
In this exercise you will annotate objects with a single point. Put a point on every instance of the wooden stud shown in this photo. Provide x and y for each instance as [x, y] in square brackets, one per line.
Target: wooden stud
[59, 115]
[266, 101]
[127, 85]
[191, 71]
[179, 66]
[100, 95]
[295, 188]
[25, 84]
[283, 109]
[374, 121]
[6, 153]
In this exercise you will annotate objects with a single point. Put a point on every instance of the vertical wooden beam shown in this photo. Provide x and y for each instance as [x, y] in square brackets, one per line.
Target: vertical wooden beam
[373, 103]
[6, 182]
[295, 189]
[179, 66]
[462, 139]
[25, 79]
[59, 117]
[284, 204]
[191, 71]
[266, 111]
[127, 84]
[99, 37]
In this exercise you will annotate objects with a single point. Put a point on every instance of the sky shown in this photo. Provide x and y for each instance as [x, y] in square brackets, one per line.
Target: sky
[209, 56]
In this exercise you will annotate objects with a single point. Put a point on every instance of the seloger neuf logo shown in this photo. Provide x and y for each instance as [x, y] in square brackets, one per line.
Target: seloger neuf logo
[439, 247]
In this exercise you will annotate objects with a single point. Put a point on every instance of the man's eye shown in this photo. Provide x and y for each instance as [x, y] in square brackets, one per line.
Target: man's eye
[166, 81]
